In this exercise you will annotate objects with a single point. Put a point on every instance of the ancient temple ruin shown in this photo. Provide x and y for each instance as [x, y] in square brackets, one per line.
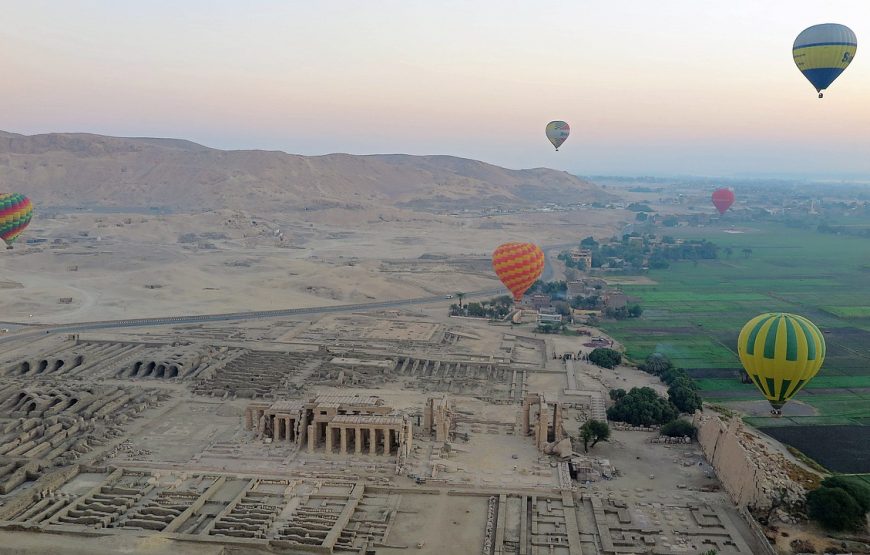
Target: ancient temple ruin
[352, 423]
[542, 418]
[437, 418]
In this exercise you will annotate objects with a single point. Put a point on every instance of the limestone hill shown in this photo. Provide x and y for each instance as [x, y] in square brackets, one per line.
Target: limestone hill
[76, 169]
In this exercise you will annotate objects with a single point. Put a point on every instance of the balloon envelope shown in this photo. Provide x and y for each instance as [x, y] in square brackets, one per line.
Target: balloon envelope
[518, 266]
[557, 132]
[723, 199]
[823, 51]
[15, 213]
[781, 352]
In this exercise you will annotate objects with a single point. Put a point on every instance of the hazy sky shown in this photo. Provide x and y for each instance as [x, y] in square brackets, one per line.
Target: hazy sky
[648, 86]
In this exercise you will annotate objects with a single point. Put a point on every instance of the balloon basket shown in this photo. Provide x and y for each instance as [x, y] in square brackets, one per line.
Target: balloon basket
[776, 413]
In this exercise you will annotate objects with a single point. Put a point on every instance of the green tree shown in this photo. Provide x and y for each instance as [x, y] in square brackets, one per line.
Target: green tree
[656, 364]
[835, 509]
[684, 398]
[642, 407]
[605, 358]
[475, 310]
[561, 307]
[679, 428]
[617, 394]
[634, 311]
[641, 217]
[594, 431]
[460, 296]
[857, 488]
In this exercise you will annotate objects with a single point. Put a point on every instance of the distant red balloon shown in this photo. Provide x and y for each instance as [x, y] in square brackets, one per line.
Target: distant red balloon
[723, 199]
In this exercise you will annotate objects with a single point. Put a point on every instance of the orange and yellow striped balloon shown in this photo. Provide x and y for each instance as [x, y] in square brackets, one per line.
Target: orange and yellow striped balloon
[518, 266]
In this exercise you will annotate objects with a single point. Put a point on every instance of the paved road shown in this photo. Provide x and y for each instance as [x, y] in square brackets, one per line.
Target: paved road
[256, 315]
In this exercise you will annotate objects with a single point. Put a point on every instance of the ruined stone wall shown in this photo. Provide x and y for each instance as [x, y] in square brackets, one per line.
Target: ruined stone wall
[752, 475]
[48, 482]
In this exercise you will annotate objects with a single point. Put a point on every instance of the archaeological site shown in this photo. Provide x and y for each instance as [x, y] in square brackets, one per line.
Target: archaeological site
[359, 433]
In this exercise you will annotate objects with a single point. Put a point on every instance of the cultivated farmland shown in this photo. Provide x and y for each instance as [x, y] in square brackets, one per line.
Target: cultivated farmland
[694, 313]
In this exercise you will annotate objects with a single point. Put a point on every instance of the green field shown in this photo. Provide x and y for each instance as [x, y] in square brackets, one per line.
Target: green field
[694, 313]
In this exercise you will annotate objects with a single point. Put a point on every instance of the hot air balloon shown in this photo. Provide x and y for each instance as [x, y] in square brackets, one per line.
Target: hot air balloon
[723, 199]
[781, 352]
[518, 265]
[557, 132]
[823, 51]
[15, 213]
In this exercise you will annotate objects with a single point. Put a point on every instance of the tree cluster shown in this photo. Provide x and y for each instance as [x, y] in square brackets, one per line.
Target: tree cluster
[496, 308]
[840, 503]
[550, 327]
[556, 289]
[633, 250]
[587, 302]
[682, 389]
[641, 406]
[605, 358]
[624, 312]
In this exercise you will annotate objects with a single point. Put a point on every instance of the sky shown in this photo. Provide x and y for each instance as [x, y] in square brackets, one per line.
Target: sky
[687, 87]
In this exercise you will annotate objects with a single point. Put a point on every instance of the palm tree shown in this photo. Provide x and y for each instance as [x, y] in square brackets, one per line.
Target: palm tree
[460, 296]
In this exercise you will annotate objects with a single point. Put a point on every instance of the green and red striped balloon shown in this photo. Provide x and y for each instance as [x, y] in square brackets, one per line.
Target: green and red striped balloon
[15, 213]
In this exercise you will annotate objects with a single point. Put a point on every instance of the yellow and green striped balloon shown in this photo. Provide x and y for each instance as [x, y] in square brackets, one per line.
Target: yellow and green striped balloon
[781, 352]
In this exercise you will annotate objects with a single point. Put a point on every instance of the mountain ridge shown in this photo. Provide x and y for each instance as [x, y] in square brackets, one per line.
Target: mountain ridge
[80, 169]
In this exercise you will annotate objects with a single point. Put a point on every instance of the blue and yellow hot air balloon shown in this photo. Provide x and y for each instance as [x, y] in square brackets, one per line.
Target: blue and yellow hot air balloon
[823, 51]
[781, 352]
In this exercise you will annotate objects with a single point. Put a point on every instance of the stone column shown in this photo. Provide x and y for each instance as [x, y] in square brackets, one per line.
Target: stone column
[311, 438]
[526, 408]
[387, 442]
[409, 437]
[373, 441]
[357, 447]
[249, 418]
[343, 440]
[329, 439]
[427, 416]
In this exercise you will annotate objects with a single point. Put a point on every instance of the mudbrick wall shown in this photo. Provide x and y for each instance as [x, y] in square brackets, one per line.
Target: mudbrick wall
[755, 476]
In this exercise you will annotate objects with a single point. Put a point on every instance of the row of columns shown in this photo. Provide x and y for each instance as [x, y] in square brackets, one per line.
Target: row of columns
[386, 437]
[283, 425]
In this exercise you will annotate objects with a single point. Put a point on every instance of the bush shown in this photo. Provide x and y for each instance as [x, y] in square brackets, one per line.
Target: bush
[642, 407]
[617, 394]
[835, 509]
[857, 488]
[604, 357]
[684, 398]
[679, 428]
